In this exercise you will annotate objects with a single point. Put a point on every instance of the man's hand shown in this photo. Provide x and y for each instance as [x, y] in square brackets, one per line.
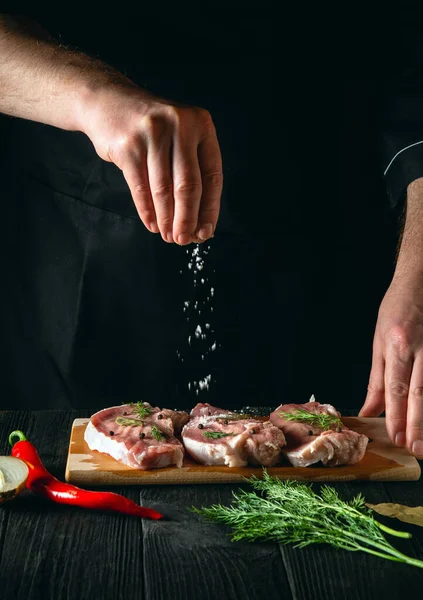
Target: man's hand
[168, 154]
[396, 379]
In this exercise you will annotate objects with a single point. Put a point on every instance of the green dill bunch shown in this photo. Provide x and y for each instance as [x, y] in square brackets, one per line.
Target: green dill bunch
[292, 512]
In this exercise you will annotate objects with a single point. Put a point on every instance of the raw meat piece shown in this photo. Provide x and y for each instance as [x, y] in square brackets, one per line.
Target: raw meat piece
[131, 441]
[308, 444]
[330, 447]
[217, 436]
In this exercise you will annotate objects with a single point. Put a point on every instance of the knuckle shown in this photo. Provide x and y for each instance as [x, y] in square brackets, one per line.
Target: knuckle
[165, 223]
[162, 191]
[203, 115]
[417, 392]
[152, 125]
[396, 421]
[187, 188]
[375, 387]
[214, 179]
[400, 338]
[174, 114]
[146, 213]
[186, 224]
[122, 148]
[415, 430]
[142, 188]
[398, 389]
[208, 215]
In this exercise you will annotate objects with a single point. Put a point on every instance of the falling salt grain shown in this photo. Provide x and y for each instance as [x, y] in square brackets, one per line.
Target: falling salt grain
[204, 383]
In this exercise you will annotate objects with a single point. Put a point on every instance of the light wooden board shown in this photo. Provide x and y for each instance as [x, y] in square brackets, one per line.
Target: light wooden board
[382, 462]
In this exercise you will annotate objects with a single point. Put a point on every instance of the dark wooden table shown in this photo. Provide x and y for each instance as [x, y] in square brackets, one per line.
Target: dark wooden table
[57, 552]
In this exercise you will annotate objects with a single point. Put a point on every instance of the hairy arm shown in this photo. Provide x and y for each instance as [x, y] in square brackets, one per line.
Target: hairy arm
[410, 255]
[169, 154]
[43, 81]
[396, 380]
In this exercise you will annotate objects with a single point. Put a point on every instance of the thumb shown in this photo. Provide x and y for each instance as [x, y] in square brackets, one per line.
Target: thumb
[374, 404]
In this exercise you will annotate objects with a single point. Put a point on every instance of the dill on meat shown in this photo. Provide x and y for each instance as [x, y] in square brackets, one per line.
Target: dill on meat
[322, 420]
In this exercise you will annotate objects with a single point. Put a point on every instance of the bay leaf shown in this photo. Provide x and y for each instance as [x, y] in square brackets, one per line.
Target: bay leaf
[407, 514]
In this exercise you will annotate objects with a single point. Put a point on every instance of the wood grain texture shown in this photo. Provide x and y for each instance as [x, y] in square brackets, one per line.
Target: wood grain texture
[382, 462]
[52, 552]
[59, 552]
[320, 571]
[198, 558]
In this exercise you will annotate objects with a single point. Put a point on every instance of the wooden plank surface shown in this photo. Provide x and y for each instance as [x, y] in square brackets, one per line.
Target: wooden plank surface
[57, 552]
[382, 462]
[50, 551]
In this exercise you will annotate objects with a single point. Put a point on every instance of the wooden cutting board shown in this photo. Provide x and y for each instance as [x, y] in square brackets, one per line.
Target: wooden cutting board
[382, 462]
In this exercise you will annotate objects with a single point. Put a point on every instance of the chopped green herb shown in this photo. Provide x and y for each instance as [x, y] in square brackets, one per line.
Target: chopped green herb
[215, 435]
[140, 409]
[321, 420]
[291, 512]
[128, 421]
[157, 434]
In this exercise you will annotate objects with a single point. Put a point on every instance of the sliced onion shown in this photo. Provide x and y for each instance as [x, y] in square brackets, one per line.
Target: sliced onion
[13, 476]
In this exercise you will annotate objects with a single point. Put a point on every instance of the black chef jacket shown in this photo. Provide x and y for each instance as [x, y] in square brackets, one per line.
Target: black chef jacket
[93, 304]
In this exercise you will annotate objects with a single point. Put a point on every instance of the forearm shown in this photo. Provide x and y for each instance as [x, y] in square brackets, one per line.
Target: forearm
[45, 82]
[168, 154]
[409, 265]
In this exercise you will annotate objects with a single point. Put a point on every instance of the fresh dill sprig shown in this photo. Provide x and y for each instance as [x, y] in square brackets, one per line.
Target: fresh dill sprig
[322, 420]
[215, 435]
[157, 434]
[141, 410]
[291, 512]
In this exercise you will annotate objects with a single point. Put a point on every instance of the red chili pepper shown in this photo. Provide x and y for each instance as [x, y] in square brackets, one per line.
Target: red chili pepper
[41, 482]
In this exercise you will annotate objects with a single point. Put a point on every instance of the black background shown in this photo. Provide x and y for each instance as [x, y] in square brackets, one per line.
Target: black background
[305, 246]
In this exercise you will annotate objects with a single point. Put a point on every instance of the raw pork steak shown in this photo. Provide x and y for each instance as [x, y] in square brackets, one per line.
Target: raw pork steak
[215, 436]
[139, 435]
[309, 443]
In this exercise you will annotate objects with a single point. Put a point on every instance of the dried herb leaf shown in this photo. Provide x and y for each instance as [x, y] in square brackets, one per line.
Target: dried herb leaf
[128, 421]
[407, 514]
